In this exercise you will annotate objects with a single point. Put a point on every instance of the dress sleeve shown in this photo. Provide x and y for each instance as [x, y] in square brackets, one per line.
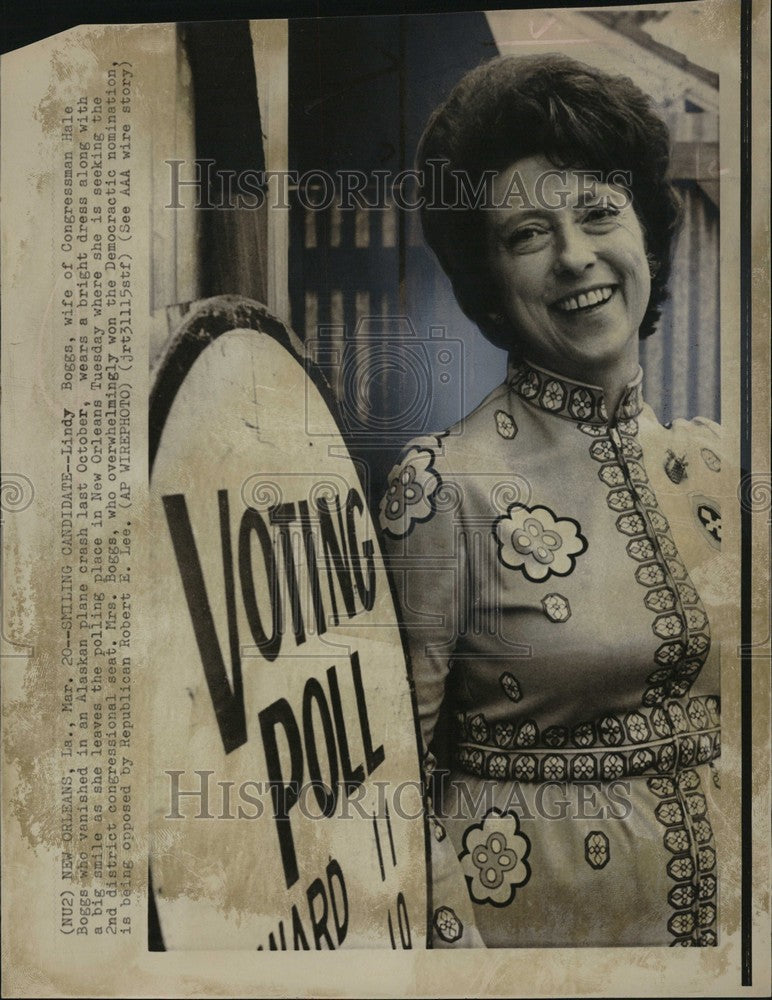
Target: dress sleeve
[420, 519]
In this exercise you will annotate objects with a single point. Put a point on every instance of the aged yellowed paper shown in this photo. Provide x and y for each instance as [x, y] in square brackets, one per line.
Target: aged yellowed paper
[267, 555]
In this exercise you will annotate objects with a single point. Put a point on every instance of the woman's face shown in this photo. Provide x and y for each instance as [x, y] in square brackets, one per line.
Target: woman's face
[572, 280]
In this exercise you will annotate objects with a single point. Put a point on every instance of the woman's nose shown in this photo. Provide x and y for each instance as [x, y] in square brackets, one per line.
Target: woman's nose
[575, 250]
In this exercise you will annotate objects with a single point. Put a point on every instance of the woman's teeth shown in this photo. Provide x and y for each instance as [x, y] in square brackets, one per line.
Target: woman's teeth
[585, 299]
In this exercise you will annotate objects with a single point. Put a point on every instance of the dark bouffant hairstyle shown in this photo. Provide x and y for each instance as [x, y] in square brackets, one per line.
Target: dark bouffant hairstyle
[578, 117]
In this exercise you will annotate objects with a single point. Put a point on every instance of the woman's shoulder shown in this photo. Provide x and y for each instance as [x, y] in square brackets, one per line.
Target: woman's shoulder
[698, 429]
[411, 485]
[696, 441]
[694, 429]
[433, 472]
[465, 434]
[482, 413]
[482, 433]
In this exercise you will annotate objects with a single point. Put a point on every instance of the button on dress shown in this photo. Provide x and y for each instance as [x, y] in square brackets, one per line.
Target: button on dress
[556, 567]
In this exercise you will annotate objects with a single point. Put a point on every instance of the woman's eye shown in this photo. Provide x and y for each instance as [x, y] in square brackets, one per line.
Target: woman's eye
[600, 214]
[528, 238]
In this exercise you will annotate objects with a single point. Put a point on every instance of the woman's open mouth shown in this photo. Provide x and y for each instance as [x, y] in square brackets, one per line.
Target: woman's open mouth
[584, 301]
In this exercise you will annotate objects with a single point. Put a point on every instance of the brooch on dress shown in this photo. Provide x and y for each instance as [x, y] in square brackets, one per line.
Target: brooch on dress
[675, 467]
[708, 514]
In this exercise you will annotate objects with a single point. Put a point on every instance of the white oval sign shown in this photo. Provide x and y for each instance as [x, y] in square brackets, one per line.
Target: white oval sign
[287, 811]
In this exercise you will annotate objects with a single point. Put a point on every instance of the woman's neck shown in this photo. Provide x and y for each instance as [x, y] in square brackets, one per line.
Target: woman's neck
[614, 385]
[612, 379]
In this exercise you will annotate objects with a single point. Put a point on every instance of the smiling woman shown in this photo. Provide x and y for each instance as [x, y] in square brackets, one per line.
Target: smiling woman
[573, 281]
[550, 550]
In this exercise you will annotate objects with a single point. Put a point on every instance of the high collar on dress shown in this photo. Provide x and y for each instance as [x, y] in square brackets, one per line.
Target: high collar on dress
[564, 397]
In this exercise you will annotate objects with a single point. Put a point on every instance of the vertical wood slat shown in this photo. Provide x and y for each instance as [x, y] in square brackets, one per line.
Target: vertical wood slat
[228, 129]
[681, 360]
[175, 268]
[271, 58]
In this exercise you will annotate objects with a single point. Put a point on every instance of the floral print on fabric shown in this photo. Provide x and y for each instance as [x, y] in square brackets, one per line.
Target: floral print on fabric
[494, 858]
[533, 540]
[684, 627]
[692, 867]
[627, 696]
[511, 686]
[449, 928]
[580, 404]
[558, 394]
[438, 830]
[408, 500]
[505, 424]
[610, 748]
[596, 849]
[556, 607]
[554, 395]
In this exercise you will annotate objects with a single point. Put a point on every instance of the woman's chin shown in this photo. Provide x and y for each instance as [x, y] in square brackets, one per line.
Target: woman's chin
[594, 350]
[590, 356]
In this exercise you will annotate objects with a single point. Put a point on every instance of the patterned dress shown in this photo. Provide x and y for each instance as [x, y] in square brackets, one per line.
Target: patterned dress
[556, 567]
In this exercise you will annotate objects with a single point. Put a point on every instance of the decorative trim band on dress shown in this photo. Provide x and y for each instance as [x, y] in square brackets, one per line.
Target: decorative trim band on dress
[563, 397]
[666, 756]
